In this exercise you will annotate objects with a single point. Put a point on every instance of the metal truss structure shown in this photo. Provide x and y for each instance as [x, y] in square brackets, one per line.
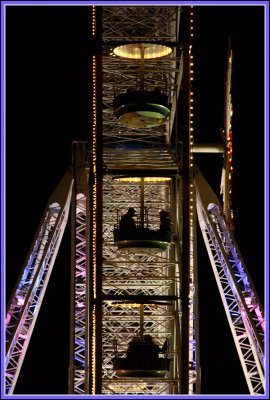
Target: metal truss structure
[26, 300]
[127, 276]
[227, 170]
[139, 25]
[143, 151]
[154, 293]
[241, 303]
[80, 277]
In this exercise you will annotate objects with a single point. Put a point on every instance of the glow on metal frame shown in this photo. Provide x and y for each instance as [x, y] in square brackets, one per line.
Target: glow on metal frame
[152, 274]
[243, 332]
[94, 349]
[124, 305]
[94, 209]
[94, 24]
[150, 50]
[131, 275]
[135, 388]
[141, 22]
[194, 376]
[234, 284]
[30, 289]
[147, 179]
[227, 171]
[94, 226]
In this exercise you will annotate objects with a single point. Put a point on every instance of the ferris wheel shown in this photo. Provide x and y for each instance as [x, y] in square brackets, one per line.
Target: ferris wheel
[134, 291]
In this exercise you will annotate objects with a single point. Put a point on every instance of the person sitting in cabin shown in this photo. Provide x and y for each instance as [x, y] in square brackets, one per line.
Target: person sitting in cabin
[151, 349]
[143, 349]
[165, 228]
[127, 226]
[135, 348]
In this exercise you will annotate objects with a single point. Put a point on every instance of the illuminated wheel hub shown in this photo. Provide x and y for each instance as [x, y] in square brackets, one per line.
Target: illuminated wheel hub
[134, 50]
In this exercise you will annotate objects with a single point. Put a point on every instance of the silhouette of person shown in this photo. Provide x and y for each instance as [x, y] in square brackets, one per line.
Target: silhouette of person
[165, 221]
[151, 349]
[165, 225]
[127, 225]
[134, 348]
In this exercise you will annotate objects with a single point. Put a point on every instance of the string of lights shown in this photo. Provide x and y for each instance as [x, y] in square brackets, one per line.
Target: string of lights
[193, 295]
[94, 209]
[229, 144]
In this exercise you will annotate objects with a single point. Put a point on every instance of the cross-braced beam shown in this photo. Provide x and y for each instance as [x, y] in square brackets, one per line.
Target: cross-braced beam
[135, 276]
[241, 303]
[137, 25]
[29, 291]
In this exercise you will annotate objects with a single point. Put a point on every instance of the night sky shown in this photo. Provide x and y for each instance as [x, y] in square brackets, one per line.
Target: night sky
[48, 103]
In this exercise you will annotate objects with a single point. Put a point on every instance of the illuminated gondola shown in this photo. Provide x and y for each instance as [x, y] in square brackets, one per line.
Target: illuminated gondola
[142, 243]
[141, 367]
[144, 358]
[141, 108]
[141, 240]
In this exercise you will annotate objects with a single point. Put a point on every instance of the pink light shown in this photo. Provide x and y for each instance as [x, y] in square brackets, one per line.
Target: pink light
[8, 319]
[20, 300]
[250, 303]
[260, 317]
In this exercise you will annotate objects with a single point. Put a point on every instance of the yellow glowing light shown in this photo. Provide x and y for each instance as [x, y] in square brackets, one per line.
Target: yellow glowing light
[94, 144]
[94, 351]
[133, 50]
[124, 305]
[148, 179]
[94, 20]
[130, 387]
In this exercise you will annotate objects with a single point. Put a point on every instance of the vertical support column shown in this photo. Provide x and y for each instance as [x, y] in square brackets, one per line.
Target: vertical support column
[186, 206]
[95, 188]
[142, 202]
[142, 67]
[72, 286]
[80, 275]
[141, 320]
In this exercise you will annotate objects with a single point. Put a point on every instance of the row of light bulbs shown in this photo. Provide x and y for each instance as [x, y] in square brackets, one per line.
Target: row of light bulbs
[191, 100]
[94, 24]
[94, 136]
[191, 114]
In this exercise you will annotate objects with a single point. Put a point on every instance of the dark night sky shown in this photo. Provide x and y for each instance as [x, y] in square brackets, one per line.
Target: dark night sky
[48, 105]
